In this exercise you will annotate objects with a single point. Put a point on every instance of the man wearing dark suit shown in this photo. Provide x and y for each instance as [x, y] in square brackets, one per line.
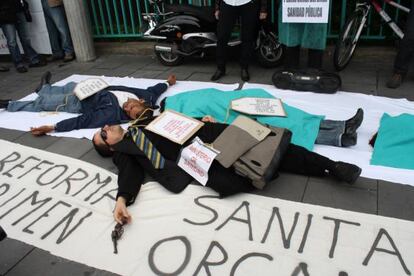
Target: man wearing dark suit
[133, 163]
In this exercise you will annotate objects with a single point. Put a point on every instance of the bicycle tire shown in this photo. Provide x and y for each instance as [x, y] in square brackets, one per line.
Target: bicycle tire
[344, 49]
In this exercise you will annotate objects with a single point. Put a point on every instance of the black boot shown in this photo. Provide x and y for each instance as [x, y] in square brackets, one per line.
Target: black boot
[45, 79]
[245, 74]
[348, 140]
[352, 124]
[218, 74]
[3, 234]
[345, 172]
[4, 103]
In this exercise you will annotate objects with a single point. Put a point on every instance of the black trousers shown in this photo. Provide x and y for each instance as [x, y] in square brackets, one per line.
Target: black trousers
[249, 14]
[292, 57]
[406, 49]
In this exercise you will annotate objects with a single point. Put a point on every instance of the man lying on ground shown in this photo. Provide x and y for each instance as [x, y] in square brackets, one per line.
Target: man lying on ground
[132, 163]
[112, 105]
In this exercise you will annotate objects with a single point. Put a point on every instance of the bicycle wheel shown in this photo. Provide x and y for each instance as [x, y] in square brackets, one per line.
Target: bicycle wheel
[348, 39]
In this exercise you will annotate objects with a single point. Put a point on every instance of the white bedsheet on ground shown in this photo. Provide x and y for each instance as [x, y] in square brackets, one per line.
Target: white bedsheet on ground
[339, 106]
[343, 105]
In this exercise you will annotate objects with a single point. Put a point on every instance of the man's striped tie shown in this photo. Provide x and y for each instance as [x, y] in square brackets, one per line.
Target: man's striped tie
[145, 145]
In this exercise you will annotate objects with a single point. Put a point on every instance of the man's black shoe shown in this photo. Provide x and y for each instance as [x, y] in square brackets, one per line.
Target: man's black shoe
[21, 69]
[40, 63]
[3, 234]
[245, 75]
[218, 74]
[4, 103]
[4, 69]
[45, 79]
[352, 124]
[346, 172]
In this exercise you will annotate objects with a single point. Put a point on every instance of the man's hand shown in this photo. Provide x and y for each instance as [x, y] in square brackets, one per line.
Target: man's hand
[121, 214]
[263, 15]
[172, 79]
[42, 130]
[208, 119]
[217, 14]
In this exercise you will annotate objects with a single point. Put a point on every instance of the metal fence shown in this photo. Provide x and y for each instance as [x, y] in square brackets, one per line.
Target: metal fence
[115, 19]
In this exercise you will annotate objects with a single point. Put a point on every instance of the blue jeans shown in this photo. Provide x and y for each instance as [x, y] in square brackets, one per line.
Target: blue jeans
[51, 98]
[57, 26]
[330, 133]
[9, 31]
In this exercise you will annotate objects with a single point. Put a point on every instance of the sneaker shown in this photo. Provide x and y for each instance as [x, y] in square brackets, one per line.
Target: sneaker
[45, 79]
[346, 172]
[395, 81]
[352, 124]
[21, 69]
[53, 58]
[40, 63]
[69, 57]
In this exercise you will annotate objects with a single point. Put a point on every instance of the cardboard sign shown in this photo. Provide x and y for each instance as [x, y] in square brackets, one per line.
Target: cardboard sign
[175, 126]
[89, 87]
[259, 106]
[196, 160]
[305, 11]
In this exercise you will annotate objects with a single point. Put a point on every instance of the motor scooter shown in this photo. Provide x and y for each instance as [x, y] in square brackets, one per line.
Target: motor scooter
[185, 30]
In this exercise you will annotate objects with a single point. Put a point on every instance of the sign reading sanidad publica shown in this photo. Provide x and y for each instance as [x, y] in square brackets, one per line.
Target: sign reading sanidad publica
[305, 11]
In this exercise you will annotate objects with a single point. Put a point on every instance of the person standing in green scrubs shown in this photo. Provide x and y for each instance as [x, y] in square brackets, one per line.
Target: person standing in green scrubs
[294, 36]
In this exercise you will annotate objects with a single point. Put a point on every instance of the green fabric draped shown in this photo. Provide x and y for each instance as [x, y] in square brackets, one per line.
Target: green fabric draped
[198, 103]
[394, 146]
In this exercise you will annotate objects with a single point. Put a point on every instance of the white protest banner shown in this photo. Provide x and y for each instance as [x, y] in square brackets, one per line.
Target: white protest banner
[305, 11]
[65, 205]
[175, 126]
[196, 160]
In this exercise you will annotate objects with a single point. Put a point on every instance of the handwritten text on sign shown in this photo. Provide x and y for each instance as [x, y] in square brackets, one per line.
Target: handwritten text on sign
[305, 11]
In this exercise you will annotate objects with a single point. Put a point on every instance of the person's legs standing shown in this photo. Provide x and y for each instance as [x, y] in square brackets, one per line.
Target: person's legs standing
[227, 18]
[315, 58]
[291, 58]
[53, 32]
[249, 22]
[21, 27]
[59, 18]
[405, 52]
[9, 31]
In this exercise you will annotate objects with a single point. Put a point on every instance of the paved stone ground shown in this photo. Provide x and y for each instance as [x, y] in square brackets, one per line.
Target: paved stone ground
[366, 74]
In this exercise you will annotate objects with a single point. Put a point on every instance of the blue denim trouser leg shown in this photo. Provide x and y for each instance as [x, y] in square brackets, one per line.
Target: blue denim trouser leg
[51, 98]
[9, 31]
[330, 133]
[53, 31]
[21, 26]
[58, 16]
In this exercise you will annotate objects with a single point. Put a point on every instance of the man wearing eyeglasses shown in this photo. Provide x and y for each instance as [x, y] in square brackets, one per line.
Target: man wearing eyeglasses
[113, 105]
[133, 163]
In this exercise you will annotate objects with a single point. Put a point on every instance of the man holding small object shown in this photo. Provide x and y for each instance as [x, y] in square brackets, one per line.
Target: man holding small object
[137, 151]
[112, 105]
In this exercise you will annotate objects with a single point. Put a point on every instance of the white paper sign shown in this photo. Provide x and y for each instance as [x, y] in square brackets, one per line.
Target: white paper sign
[89, 87]
[175, 126]
[259, 106]
[196, 160]
[305, 11]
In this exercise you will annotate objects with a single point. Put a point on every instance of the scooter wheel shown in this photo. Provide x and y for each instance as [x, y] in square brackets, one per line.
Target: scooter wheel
[169, 59]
